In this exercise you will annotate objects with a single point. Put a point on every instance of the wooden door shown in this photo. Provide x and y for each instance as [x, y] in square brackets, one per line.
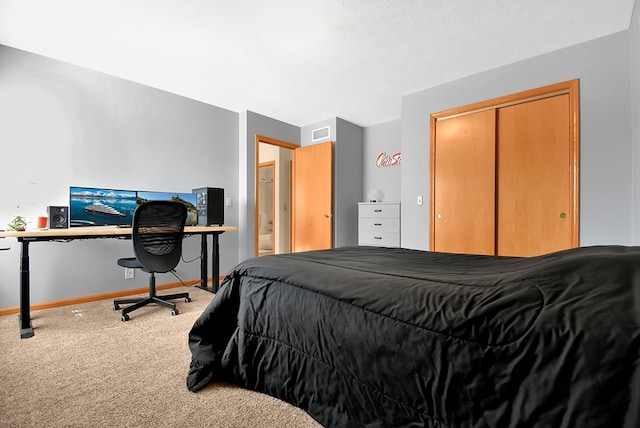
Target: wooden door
[534, 181]
[312, 205]
[536, 167]
[463, 191]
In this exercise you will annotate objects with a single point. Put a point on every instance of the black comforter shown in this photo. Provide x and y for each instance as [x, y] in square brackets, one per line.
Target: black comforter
[379, 337]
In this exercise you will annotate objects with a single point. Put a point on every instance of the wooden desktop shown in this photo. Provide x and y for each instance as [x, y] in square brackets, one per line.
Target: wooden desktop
[97, 232]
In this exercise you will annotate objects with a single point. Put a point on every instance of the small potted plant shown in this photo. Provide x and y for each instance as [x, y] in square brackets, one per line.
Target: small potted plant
[18, 223]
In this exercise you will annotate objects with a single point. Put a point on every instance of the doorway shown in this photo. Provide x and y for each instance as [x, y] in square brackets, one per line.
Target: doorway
[302, 192]
[266, 204]
[273, 196]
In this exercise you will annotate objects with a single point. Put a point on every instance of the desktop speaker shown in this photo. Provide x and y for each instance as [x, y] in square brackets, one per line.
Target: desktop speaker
[58, 217]
[210, 205]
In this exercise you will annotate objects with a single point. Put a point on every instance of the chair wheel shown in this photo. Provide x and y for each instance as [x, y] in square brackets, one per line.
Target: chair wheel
[116, 307]
[174, 312]
[187, 299]
[125, 317]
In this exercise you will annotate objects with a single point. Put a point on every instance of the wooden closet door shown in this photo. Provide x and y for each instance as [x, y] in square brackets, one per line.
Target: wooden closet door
[463, 193]
[534, 197]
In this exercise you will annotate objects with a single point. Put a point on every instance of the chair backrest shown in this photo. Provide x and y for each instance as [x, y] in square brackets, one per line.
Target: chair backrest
[158, 228]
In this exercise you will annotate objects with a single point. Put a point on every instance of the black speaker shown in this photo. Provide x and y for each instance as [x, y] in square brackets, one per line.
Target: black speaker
[58, 217]
[210, 205]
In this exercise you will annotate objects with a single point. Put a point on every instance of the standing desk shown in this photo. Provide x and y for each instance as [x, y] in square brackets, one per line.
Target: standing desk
[75, 233]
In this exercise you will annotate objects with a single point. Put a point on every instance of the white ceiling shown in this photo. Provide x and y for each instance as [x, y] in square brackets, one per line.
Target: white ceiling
[303, 61]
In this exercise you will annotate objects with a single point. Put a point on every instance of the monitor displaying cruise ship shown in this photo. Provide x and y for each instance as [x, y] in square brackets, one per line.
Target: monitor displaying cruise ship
[90, 206]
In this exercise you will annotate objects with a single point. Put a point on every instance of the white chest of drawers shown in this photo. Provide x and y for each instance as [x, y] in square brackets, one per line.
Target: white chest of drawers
[379, 224]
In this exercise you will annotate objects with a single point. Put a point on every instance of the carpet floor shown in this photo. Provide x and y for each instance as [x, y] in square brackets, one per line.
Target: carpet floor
[86, 368]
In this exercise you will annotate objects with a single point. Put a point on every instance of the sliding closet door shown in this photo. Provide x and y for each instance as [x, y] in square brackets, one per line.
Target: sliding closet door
[534, 184]
[463, 193]
[505, 174]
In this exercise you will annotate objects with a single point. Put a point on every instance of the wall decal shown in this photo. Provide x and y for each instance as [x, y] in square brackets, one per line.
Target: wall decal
[384, 159]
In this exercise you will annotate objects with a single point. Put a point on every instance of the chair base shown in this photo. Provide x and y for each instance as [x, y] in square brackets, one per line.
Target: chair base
[140, 302]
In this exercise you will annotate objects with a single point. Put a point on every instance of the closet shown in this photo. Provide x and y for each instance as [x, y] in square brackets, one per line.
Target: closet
[504, 174]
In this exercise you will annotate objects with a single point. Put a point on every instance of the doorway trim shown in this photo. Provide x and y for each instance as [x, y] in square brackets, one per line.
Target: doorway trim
[274, 142]
[269, 164]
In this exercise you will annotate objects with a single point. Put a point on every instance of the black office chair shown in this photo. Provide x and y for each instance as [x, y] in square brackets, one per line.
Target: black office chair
[158, 228]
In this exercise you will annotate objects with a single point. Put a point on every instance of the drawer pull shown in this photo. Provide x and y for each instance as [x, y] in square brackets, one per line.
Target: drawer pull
[377, 224]
[377, 237]
[377, 211]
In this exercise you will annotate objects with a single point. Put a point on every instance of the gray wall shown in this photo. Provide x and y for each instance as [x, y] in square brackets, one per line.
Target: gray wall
[347, 182]
[384, 137]
[252, 124]
[62, 125]
[602, 65]
[634, 56]
[348, 146]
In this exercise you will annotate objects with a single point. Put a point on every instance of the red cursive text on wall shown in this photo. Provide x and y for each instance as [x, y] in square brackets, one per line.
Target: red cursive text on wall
[385, 160]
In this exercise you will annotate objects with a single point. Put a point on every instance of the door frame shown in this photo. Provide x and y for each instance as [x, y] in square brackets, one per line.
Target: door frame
[570, 87]
[274, 227]
[274, 142]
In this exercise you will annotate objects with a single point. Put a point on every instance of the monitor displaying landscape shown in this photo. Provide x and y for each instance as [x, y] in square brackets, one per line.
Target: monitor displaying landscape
[189, 199]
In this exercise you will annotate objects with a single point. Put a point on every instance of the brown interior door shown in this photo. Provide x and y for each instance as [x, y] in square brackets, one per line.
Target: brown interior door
[463, 164]
[534, 181]
[312, 205]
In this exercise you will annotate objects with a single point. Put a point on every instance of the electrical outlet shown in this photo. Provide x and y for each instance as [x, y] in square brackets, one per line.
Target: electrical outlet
[129, 273]
[228, 202]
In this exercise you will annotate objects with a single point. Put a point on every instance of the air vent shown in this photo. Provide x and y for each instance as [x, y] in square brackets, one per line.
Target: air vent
[321, 134]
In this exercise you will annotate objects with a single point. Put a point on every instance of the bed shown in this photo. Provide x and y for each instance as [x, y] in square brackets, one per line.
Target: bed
[390, 337]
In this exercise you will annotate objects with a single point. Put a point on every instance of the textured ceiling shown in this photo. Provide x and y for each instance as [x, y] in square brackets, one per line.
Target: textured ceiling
[302, 61]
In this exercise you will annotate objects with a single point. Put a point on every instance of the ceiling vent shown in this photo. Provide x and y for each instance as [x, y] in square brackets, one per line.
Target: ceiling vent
[321, 134]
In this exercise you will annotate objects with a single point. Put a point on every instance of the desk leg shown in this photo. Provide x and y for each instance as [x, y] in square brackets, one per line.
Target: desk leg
[24, 318]
[204, 254]
[215, 264]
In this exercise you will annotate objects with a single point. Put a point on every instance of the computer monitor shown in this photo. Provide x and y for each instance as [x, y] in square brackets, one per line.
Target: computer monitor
[92, 206]
[189, 199]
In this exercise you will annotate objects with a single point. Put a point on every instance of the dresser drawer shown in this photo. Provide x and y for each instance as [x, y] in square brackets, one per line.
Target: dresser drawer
[379, 225]
[383, 239]
[379, 210]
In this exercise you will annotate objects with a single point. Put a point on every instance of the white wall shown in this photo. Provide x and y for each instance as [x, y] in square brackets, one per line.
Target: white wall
[602, 65]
